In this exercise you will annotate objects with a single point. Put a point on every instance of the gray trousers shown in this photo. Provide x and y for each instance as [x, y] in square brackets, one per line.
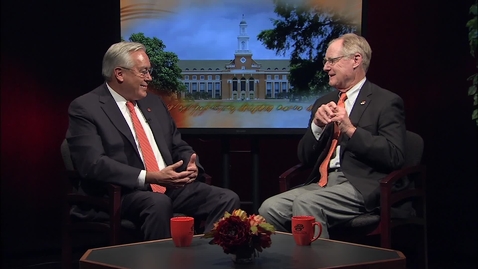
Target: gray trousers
[333, 204]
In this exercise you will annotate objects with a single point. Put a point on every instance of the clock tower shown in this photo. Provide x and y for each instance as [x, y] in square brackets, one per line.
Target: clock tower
[243, 53]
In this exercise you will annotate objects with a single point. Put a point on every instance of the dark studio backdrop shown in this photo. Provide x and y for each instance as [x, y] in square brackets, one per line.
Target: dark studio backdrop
[52, 51]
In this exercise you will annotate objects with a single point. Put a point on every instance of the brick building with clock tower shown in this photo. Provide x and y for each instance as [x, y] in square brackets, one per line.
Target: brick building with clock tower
[242, 78]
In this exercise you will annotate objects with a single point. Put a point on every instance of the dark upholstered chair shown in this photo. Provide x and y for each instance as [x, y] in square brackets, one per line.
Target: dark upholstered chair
[118, 230]
[402, 199]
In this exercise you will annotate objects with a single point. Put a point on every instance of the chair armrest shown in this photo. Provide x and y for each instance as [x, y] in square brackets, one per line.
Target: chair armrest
[388, 199]
[393, 177]
[207, 179]
[289, 177]
[110, 204]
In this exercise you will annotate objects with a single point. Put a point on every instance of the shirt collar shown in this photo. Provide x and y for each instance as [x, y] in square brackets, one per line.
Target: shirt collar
[120, 100]
[353, 93]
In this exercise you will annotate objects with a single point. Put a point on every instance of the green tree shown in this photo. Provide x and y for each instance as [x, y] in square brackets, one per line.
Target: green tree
[305, 31]
[472, 25]
[166, 72]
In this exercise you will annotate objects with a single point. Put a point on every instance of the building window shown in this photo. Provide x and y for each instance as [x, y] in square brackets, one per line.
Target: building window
[186, 69]
[243, 68]
[209, 86]
[217, 86]
[276, 77]
[194, 87]
[218, 77]
[187, 86]
[209, 68]
[284, 77]
[276, 87]
[209, 77]
[234, 84]
[202, 86]
[251, 85]
[201, 77]
[243, 84]
[202, 68]
[269, 89]
[217, 68]
[194, 69]
[195, 77]
[284, 86]
[186, 77]
[269, 77]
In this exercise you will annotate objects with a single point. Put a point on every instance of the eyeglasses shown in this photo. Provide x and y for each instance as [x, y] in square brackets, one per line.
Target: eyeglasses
[143, 73]
[333, 61]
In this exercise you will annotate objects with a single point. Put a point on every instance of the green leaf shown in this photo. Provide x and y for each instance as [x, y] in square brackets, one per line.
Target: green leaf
[474, 9]
[472, 90]
[474, 115]
[267, 226]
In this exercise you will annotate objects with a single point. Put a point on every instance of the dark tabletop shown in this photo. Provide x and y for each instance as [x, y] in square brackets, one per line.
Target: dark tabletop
[283, 253]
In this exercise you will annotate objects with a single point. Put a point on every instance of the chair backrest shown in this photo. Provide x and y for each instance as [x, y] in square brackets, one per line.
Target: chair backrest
[65, 153]
[413, 149]
[413, 156]
[72, 175]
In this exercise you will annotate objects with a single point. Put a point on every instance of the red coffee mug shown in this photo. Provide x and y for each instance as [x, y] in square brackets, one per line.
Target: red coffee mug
[182, 231]
[303, 230]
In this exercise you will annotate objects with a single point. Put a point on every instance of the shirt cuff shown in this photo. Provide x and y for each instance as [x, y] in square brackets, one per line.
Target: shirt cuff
[316, 130]
[141, 178]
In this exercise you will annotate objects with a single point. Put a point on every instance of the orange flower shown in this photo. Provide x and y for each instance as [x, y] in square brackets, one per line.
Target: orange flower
[255, 220]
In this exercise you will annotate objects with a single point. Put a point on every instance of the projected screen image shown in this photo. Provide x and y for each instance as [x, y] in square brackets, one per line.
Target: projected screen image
[236, 76]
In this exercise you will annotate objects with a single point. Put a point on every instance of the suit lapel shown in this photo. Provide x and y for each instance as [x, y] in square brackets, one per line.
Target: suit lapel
[155, 126]
[361, 103]
[111, 109]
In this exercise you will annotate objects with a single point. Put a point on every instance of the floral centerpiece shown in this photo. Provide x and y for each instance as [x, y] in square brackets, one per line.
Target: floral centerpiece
[241, 235]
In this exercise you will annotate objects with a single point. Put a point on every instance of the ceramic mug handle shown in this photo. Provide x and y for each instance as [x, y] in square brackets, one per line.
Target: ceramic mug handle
[318, 224]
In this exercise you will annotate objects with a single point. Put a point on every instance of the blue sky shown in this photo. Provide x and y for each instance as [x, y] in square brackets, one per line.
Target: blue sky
[207, 30]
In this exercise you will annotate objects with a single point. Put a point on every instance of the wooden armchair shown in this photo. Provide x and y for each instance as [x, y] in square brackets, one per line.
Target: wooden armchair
[118, 230]
[400, 189]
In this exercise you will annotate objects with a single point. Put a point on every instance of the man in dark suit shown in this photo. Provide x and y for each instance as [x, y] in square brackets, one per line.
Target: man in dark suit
[371, 143]
[106, 137]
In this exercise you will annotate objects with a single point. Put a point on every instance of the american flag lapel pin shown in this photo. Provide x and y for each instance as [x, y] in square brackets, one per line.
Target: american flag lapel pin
[363, 102]
[149, 109]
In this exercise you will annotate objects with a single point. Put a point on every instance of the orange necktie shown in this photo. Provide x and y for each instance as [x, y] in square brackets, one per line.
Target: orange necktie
[148, 155]
[324, 166]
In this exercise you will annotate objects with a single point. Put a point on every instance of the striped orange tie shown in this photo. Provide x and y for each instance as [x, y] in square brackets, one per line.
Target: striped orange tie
[324, 166]
[150, 161]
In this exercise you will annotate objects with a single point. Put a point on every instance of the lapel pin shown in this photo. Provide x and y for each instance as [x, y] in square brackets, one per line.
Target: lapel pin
[363, 102]
[149, 109]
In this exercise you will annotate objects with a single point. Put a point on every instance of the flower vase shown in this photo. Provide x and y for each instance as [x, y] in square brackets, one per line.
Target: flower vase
[243, 256]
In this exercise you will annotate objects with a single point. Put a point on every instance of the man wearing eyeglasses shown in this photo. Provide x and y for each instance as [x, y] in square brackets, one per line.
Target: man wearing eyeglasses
[120, 134]
[367, 124]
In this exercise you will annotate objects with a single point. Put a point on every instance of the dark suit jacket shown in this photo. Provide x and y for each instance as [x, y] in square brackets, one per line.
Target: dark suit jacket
[103, 148]
[375, 149]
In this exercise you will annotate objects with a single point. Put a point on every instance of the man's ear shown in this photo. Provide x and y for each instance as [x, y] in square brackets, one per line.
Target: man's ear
[119, 74]
[357, 60]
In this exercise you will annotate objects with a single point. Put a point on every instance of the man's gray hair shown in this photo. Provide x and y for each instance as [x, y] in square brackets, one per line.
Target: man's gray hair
[352, 44]
[119, 55]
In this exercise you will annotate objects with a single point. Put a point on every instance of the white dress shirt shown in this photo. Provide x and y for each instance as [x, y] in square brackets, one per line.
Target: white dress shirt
[121, 102]
[352, 95]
